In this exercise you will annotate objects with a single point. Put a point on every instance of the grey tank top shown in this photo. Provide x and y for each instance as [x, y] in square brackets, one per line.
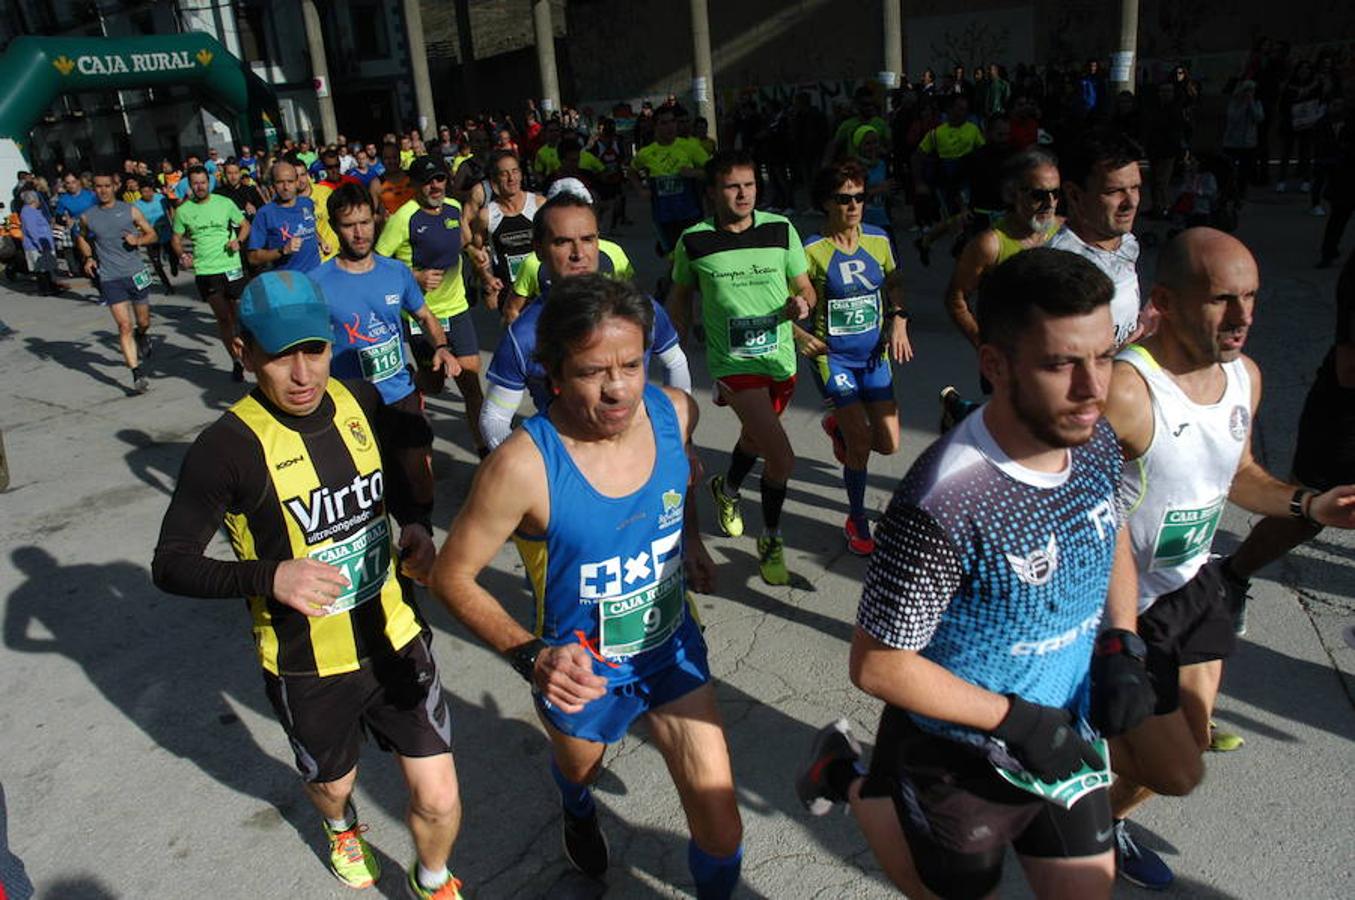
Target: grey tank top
[106, 228]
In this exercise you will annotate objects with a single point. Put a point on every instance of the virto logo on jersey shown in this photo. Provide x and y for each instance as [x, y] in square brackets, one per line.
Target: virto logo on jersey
[1059, 641]
[329, 511]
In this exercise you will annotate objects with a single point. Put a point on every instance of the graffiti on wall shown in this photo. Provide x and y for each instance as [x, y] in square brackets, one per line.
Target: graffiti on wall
[998, 35]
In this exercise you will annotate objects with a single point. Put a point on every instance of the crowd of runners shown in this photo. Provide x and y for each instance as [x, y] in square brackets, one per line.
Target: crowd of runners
[1042, 615]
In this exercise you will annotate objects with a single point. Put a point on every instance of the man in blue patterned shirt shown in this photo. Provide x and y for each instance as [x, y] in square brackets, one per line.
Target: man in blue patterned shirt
[997, 561]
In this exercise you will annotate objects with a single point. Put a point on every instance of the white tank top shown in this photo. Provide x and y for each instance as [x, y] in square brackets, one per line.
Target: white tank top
[1120, 266]
[1175, 492]
[510, 236]
[496, 214]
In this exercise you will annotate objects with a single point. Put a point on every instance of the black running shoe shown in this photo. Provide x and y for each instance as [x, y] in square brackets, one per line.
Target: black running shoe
[954, 408]
[585, 845]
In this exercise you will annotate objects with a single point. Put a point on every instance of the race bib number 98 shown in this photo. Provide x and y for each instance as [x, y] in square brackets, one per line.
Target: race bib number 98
[751, 337]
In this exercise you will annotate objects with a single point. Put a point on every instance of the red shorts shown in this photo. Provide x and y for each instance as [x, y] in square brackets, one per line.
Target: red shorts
[779, 391]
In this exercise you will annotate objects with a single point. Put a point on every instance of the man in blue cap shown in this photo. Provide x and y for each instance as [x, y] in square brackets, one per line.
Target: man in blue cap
[295, 470]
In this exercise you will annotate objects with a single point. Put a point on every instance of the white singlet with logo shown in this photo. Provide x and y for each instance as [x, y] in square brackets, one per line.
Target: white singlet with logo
[1120, 266]
[497, 215]
[1175, 492]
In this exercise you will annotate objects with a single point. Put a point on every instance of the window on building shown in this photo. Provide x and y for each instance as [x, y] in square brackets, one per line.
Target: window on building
[371, 37]
[251, 24]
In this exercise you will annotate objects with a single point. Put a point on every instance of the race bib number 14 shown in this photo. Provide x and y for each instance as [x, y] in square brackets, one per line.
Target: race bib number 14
[1185, 533]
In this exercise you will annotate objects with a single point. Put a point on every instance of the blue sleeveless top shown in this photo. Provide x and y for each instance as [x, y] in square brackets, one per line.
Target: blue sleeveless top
[608, 571]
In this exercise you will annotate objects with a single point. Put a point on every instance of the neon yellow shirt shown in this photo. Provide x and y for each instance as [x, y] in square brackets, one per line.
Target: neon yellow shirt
[320, 197]
[429, 240]
[949, 142]
[612, 262]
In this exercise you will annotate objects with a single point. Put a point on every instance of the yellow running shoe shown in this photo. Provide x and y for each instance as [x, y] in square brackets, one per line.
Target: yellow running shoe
[772, 560]
[1221, 741]
[350, 858]
[726, 508]
[450, 889]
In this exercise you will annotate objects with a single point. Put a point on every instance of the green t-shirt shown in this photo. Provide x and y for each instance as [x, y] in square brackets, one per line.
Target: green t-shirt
[849, 126]
[211, 224]
[949, 142]
[744, 280]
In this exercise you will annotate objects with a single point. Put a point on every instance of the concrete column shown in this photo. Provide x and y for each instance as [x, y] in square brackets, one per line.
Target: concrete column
[1122, 64]
[893, 25]
[418, 64]
[315, 45]
[545, 56]
[703, 79]
[470, 84]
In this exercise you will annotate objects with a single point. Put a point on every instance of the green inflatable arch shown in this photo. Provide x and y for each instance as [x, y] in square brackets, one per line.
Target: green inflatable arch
[34, 71]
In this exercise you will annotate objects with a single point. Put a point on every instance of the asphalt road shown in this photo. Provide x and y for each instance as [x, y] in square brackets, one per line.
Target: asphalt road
[140, 759]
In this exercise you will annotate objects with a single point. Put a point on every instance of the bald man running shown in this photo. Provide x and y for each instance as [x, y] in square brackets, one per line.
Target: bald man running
[1182, 403]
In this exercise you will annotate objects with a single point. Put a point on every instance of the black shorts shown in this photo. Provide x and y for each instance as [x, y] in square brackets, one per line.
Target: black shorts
[413, 430]
[669, 232]
[1325, 453]
[461, 339]
[959, 815]
[398, 699]
[1193, 624]
[220, 285]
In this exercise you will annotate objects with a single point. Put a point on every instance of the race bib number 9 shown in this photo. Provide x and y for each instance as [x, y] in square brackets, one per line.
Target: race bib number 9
[853, 315]
[382, 361]
[751, 337]
[1185, 533]
[640, 621]
[364, 559]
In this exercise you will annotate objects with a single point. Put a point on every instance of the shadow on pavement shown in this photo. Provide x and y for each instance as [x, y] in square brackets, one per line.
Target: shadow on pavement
[153, 462]
[175, 690]
[79, 356]
[77, 889]
[1270, 680]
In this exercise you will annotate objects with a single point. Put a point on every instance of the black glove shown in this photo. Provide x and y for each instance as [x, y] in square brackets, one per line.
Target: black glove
[1044, 741]
[1122, 695]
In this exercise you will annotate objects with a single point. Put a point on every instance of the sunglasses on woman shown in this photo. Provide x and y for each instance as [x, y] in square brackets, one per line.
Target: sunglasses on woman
[848, 199]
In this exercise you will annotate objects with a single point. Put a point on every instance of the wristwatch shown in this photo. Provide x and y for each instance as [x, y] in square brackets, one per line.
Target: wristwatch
[1302, 497]
[523, 658]
[898, 314]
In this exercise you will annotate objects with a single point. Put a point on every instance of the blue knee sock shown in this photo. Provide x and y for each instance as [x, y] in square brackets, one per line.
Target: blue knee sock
[578, 800]
[855, 480]
[715, 876]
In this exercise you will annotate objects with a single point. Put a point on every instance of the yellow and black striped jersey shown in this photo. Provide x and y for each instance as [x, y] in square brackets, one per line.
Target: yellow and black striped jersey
[290, 487]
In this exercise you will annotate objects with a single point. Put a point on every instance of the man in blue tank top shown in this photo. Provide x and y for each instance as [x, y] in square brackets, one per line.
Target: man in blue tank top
[594, 490]
[566, 242]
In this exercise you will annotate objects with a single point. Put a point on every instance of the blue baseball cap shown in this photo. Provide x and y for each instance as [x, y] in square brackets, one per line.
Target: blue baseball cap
[283, 309]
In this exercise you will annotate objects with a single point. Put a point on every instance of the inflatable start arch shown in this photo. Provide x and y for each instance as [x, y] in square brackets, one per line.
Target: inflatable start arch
[34, 71]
